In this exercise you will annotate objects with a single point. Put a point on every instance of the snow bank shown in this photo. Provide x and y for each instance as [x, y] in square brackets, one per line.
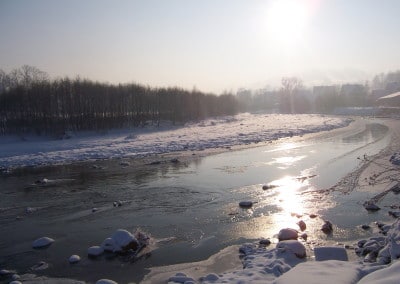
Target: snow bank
[223, 132]
[287, 264]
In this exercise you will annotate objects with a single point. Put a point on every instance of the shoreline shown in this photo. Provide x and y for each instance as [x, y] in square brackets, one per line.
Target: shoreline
[202, 138]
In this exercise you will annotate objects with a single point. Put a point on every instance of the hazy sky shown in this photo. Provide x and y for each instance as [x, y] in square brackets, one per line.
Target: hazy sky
[214, 45]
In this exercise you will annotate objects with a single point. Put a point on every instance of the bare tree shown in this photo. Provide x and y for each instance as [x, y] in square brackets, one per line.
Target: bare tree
[289, 87]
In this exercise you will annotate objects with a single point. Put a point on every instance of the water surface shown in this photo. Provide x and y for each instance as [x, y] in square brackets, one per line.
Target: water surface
[192, 207]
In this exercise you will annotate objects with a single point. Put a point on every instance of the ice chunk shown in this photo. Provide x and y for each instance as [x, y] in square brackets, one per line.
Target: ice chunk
[330, 253]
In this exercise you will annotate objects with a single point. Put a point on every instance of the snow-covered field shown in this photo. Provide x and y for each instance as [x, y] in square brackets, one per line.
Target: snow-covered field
[222, 132]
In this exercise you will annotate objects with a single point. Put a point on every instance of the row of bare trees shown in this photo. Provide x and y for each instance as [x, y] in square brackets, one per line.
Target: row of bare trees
[33, 103]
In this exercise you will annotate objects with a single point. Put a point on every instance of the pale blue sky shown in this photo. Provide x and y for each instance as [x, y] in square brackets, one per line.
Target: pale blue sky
[215, 45]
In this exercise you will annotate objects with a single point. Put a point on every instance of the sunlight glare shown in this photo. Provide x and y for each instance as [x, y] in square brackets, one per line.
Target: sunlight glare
[286, 20]
[289, 199]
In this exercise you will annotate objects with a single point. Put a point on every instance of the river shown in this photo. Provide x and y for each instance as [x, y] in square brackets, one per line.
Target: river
[190, 208]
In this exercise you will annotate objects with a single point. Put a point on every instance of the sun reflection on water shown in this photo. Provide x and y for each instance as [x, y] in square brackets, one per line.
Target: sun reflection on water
[290, 201]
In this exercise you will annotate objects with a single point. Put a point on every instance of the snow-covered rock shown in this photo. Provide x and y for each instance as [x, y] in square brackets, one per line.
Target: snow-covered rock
[5, 272]
[94, 251]
[108, 245]
[42, 242]
[124, 241]
[296, 247]
[330, 253]
[106, 281]
[180, 278]
[287, 234]
[74, 259]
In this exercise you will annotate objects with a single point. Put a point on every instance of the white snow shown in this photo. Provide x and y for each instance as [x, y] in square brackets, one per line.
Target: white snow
[122, 239]
[221, 132]
[388, 275]
[288, 264]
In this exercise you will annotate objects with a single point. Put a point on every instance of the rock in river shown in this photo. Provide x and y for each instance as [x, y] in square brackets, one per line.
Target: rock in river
[42, 242]
[246, 204]
[287, 234]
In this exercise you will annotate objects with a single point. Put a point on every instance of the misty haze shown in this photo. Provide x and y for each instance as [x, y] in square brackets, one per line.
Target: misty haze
[199, 141]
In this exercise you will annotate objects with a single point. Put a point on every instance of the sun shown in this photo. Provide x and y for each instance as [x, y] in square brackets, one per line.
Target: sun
[286, 20]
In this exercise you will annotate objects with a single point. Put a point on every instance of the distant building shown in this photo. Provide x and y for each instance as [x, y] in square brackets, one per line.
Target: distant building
[392, 87]
[392, 100]
[349, 90]
[378, 93]
[324, 90]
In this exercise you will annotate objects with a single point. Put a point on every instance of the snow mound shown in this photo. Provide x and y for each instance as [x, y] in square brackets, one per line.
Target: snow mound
[330, 271]
[388, 275]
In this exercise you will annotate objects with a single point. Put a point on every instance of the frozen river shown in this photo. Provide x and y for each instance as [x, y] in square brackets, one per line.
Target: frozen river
[190, 209]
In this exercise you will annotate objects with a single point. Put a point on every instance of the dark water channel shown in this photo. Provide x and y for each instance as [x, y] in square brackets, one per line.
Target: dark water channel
[190, 209]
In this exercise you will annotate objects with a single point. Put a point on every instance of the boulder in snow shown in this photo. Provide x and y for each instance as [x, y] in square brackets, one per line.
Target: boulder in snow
[287, 234]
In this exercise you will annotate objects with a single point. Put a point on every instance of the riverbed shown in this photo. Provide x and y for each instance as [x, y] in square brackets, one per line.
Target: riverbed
[189, 206]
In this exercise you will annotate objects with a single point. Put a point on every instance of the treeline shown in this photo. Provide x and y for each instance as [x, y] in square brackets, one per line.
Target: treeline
[31, 102]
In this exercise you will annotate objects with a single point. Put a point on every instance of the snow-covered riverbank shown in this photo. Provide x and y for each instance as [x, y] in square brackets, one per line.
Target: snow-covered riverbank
[242, 129]
[284, 262]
